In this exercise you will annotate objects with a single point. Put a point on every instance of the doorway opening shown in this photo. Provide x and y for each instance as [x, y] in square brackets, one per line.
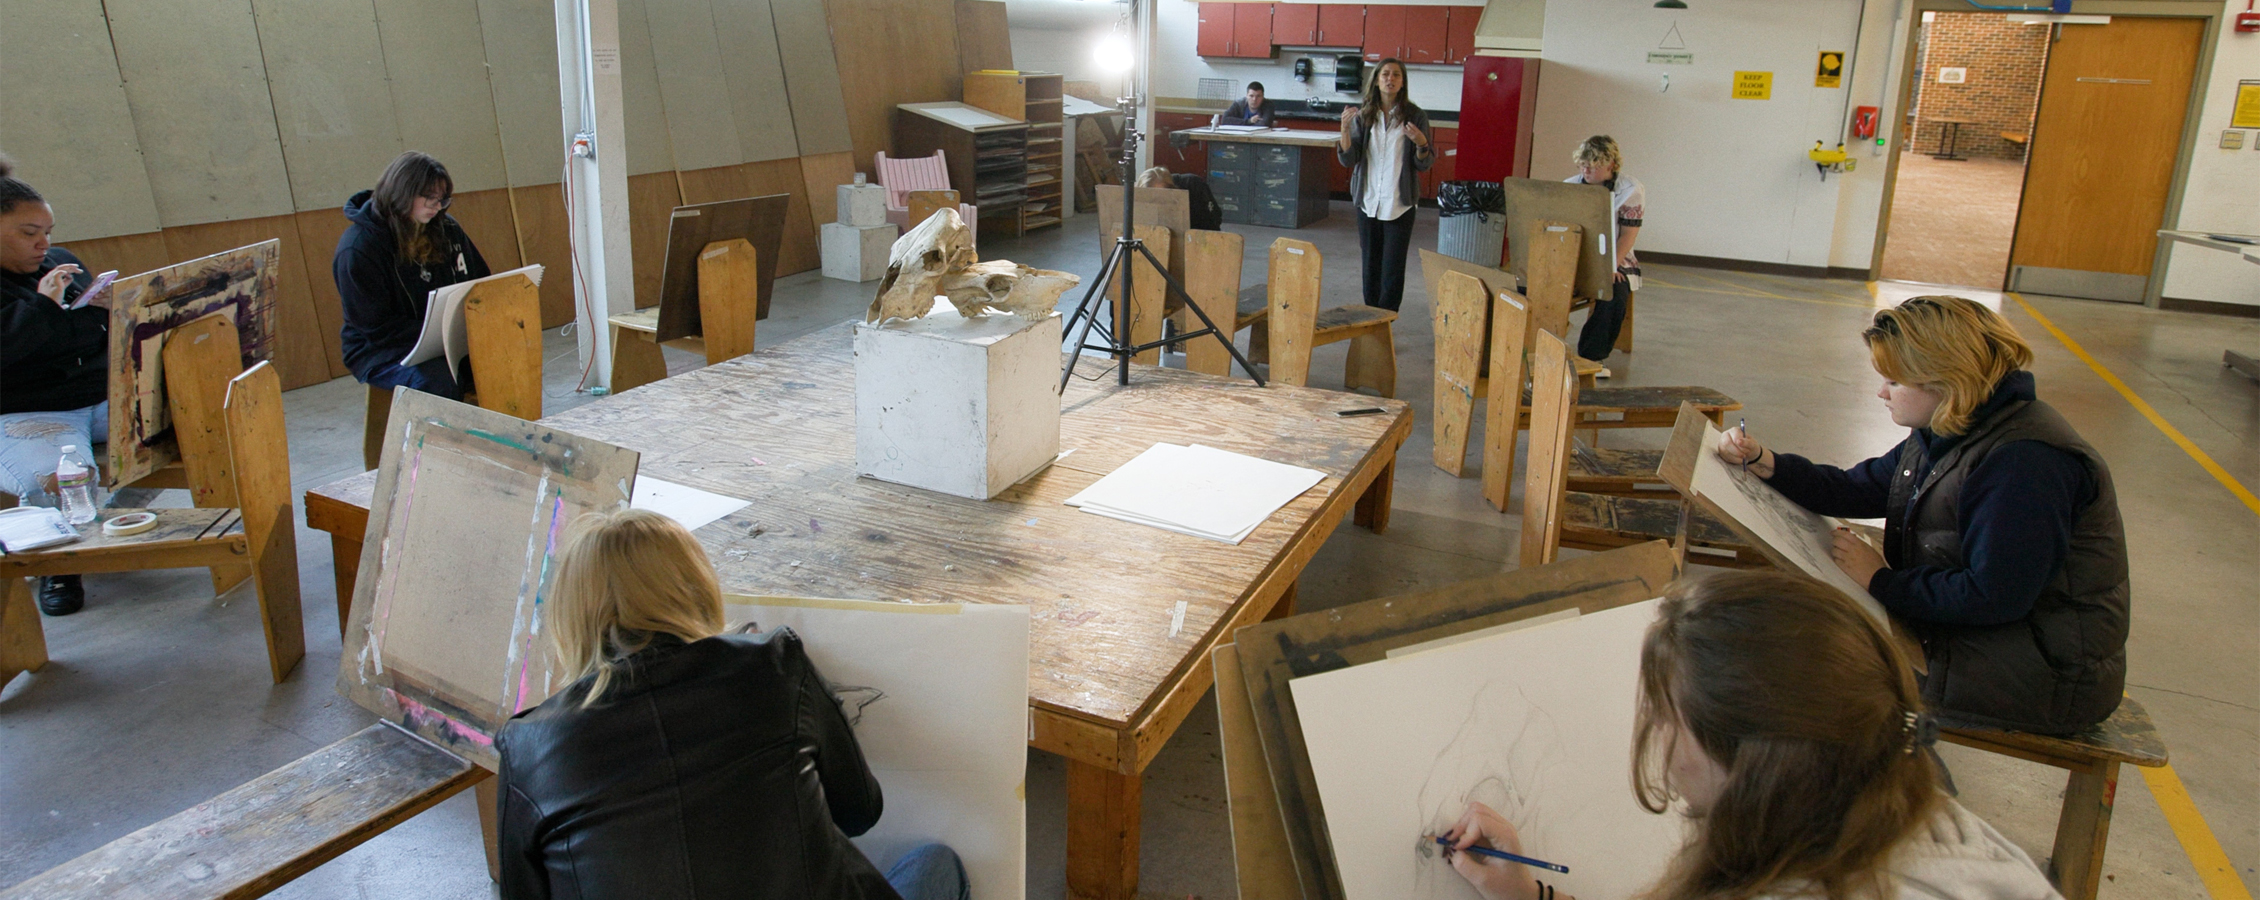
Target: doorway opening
[1961, 167]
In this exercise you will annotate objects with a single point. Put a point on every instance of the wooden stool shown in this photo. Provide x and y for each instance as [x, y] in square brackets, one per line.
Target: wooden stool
[1298, 325]
[728, 301]
[2092, 757]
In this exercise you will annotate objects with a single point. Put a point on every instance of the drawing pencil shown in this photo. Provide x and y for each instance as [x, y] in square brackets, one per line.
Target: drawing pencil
[1510, 857]
[1745, 426]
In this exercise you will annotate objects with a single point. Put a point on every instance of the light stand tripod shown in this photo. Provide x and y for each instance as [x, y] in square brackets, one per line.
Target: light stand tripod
[1119, 262]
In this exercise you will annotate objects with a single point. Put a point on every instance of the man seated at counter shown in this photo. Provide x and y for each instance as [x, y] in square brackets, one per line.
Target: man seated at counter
[1253, 110]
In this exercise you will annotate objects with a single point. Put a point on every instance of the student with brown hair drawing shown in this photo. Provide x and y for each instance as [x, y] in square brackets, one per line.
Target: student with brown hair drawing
[2003, 547]
[1788, 727]
[401, 246]
[681, 761]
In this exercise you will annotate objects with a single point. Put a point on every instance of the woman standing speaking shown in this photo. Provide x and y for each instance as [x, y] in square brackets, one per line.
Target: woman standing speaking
[1385, 142]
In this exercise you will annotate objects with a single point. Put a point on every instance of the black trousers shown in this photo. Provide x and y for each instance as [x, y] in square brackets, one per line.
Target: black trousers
[1384, 244]
[1600, 333]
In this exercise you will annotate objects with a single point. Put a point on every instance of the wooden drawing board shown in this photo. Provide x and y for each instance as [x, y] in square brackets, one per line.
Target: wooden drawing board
[1530, 201]
[1274, 653]
[759, 220]
[1168, 207]
[239, 284]
[470, 504]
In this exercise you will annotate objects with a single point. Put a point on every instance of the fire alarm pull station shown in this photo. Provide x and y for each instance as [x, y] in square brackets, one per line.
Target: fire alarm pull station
[1863, 122]
[2248, 21]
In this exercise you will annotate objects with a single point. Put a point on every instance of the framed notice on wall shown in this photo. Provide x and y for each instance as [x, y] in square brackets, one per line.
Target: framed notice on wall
[1830, 72]
[1753, 85]
[2247, 112]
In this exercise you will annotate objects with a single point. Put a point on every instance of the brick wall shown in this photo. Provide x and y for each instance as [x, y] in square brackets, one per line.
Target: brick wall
[2002, 92]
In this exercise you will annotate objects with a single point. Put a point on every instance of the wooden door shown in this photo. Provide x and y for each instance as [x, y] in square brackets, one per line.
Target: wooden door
[1459, 33]
[1341, 25]
[1251, 30]
[1426, 30]
[1294, 24]
[2104, 146]
[1214, 38]
[1384, 32]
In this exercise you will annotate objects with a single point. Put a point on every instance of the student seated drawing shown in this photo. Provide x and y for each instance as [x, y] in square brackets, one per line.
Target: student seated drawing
[685, 762]
[401, 246]
[54, 363]
[2003, 547]
[1599, 161]
[1250, 110]
[1200, 201]
[1789, 729]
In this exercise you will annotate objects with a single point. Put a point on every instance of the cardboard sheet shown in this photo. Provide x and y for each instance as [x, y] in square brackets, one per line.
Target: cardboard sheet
[1197, 490]
[444, 328]
[1537, 724]
[939, 697]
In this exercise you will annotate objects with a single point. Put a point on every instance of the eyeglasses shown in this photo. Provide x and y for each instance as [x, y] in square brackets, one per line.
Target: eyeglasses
[444, 202]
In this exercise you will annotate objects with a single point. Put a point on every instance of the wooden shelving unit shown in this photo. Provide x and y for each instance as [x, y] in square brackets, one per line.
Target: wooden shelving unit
[1034, 98]
[987, 152]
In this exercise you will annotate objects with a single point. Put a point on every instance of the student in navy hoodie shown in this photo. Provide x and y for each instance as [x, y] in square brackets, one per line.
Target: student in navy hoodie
[401, 246]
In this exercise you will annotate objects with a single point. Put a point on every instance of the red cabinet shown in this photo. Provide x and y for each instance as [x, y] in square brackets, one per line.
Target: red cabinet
[1341, 25]
[1425, 30]
[1214, 37]
[1446, 139]
[1459, 33]
[1194, 158]
[1294, 24]
[1384, 32]
[1234, 29]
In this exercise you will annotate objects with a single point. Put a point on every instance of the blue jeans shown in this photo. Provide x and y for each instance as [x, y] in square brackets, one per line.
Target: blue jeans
[931, 872]
[430, 376]
[32, 442]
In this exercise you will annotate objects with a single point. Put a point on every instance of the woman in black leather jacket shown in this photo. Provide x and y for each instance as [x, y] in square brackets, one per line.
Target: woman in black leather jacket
[683, 762]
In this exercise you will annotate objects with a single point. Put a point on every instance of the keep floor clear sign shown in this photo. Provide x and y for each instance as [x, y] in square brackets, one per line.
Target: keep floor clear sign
[1753, 85]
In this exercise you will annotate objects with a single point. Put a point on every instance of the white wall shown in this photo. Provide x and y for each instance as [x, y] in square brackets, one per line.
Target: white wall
[1178, 67]
[1725, 178]
[2224, 185]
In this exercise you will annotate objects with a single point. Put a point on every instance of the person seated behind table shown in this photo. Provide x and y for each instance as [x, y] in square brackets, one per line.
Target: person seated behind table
[1204, 214]
[680, 761]
[2003, 547]
[1791, 728]
[1249, 110]
[401, 246]
[54, 363]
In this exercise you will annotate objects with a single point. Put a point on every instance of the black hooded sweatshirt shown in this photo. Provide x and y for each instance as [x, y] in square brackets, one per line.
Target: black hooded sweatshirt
[384, 295]
[51, 358]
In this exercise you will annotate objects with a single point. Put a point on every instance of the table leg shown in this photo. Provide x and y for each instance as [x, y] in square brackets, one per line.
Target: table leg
[490, 823]
[1373, 508]
[1284, 606]
[2077, 863]
[23, 640]
[345, 564]
[1102, 833]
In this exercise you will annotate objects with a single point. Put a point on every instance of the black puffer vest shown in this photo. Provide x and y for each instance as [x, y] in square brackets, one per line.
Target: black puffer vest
[2058, 670]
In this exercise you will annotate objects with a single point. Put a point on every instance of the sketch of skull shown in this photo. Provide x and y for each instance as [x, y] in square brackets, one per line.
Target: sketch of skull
[1498, 757]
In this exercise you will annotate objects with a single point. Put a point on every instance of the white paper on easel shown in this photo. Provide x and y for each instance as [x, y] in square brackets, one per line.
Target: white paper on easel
[939, 697]
[1806, 537]
[1537, 724]
[681, 502]
[1197, 490]
[443, 321]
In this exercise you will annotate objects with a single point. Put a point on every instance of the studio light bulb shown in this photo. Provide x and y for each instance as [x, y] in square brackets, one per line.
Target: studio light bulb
[1114, 54]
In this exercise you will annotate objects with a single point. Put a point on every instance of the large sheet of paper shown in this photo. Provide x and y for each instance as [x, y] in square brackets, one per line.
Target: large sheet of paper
[444, 331]
[681, 502]
[1536, 724]
[939, 697]
[1800, 534]
[1197, 490]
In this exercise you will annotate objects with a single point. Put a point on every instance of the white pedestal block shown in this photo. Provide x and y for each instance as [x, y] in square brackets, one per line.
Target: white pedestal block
[857, 254]
[967, 407]
[862, 205]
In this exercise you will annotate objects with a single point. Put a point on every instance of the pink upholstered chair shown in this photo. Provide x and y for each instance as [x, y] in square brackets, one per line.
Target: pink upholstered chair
[932, 173]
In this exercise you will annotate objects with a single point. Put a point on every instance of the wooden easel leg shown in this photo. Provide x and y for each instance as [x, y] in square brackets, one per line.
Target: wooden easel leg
[23, 640]
[225, 578]
[635, 362]
[1372, 363]
[280, 609]
[2077, 864]
[1259, 343]
[1373, 507]
[1624, 334]
[1284, 606]
[489, 797]
[345, 564]
[1103, 818]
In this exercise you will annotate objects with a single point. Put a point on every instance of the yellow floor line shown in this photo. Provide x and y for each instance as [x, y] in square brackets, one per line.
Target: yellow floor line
[1746, 293]
[2213, 866]
[1871, 290]
[2206, 462]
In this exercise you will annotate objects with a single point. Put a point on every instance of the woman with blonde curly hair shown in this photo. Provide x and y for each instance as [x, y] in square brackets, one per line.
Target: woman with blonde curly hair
[2003, 546]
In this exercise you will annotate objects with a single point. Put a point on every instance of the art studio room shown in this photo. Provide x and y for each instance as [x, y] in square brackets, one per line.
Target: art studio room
[1140, 448]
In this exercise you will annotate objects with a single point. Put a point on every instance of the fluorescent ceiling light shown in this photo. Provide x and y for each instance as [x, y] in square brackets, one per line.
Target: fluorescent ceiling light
[2056, 19]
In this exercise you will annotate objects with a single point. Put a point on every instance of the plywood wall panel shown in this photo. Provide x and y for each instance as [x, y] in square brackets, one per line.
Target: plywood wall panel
[714, 185]
[823, 174]
[486, 217]
[797, 251]
[72, 134]
[755, 71]
[701, 117]
[543, 237]
[318, 232]
[198, 92]
[643, 107]
[301, 355]
[652, 200]
[333, 105]
[521, 53]
[437, 63]
[130, 254]
[984, 41]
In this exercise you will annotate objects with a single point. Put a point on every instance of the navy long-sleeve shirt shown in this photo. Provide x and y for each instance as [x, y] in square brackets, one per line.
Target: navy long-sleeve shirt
[2018, 509]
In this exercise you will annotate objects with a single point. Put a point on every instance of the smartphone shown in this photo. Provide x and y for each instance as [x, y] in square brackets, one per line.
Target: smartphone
[101, 283]
[1368, 411]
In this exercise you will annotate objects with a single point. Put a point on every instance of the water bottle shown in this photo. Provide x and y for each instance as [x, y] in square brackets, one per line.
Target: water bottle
[74, 484]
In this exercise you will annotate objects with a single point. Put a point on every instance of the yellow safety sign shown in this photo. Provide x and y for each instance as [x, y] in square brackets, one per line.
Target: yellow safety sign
[1753, 85]
[1831, 71]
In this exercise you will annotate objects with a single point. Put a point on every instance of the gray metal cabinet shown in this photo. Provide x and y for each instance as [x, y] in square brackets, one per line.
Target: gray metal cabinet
[1277, 185]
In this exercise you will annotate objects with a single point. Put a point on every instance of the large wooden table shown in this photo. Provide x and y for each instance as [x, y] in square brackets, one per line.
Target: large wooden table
[1109, 680]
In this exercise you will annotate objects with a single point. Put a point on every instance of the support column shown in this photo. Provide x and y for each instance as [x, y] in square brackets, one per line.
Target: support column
[596, 182]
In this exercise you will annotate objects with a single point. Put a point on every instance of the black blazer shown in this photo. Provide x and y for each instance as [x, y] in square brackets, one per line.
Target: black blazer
[722, 768]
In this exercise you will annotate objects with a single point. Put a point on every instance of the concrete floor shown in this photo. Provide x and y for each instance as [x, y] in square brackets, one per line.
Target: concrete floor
[158, 696]
[1952, 220]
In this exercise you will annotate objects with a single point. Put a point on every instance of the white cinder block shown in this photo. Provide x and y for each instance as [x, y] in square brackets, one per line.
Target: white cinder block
[963, 407]
[857, 254]
[862, 205]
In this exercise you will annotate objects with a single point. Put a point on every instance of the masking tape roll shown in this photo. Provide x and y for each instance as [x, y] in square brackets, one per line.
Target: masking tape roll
[130, 523]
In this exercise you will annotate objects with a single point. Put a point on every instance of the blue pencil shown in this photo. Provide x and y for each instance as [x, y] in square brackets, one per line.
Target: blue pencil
[1510, 857]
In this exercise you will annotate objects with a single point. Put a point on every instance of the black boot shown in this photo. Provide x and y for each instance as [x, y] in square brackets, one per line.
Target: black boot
[61, 595]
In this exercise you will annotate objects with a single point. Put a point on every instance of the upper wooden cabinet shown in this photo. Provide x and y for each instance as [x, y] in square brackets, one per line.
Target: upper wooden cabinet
[1425, 30]
[1341, 25]
[1416, 34]
[1294, 24]
[1234, 29]
[1384, 32]
[1459, 33]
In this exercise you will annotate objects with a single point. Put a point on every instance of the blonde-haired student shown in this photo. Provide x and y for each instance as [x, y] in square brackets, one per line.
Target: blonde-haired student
[1787, 726]
[2003, 546]
[1599, 161]
[682, 761]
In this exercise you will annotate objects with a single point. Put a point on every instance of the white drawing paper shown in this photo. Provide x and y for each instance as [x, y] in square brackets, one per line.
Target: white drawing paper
[1197, 490]
[1806, 537]
[939, 697]
[681, 502]
[443, 321]
[1536, 724]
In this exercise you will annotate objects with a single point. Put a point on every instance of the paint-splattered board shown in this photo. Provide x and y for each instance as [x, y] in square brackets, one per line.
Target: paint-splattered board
[469, 505]
[239, 284]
